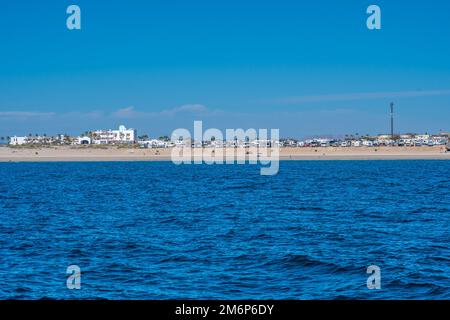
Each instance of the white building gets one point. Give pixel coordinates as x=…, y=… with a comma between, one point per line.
x=84, y=140
x=154, y=143
x=17, y=141
x=123, y=135
x=323, y=142
x=422, y=137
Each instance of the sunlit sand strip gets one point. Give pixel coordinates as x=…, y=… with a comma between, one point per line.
x=135, y=154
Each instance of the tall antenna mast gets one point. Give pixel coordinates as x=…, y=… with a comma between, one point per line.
x=392, y=120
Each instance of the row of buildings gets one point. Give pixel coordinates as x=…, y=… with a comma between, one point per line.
x=129, y=136
x=99, y=137
x=404, y=140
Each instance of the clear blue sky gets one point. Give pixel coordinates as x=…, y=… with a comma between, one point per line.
x=306, y=67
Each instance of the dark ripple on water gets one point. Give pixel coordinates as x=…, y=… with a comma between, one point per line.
x=159, y=231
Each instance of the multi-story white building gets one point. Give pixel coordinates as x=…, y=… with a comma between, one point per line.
x=123, y=135
x=17, y=141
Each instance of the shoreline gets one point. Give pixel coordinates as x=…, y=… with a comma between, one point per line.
x=114, y=154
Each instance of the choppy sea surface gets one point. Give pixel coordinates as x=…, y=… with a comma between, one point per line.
x=154, y=230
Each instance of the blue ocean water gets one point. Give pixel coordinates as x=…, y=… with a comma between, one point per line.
x=153, y=230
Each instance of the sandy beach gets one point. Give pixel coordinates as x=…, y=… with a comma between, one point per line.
x=66, y=153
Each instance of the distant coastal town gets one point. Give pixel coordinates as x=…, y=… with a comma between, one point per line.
x=124, y=137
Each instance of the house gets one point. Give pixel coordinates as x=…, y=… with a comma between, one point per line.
x=123, y=135
x=155, y=143
x=422, y=137
x=84, y=140
x=323, y=142
x=17, y=141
